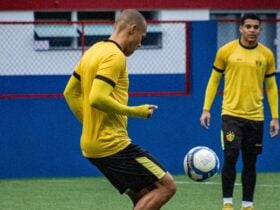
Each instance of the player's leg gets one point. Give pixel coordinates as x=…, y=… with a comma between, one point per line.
x=136, y=196
x=229, y=172
x=251, y=147
x=135, y=172
x=231, y=143
x=154, y=199
x=248, y=176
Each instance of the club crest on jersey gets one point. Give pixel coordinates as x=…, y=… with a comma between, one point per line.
x=230, y=136
x=259, y=63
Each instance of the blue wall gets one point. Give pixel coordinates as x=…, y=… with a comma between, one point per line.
x=40, y=137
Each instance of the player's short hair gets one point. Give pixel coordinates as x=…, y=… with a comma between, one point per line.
x=252, y=16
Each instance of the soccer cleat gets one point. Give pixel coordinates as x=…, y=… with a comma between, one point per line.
x=227, y=206
x=247, y=208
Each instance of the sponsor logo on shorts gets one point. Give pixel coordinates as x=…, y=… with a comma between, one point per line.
x=230, y=136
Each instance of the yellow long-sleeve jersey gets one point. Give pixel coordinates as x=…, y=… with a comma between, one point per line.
x=245, y=70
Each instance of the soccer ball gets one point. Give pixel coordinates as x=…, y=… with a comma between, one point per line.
x=201, y=163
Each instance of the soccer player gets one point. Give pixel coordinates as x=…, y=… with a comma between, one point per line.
x=97, y=94
x=246, y=65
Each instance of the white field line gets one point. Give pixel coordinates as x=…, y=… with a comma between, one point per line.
x=218, y=183
x=177, y=182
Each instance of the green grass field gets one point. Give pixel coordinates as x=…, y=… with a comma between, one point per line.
x=95, y=193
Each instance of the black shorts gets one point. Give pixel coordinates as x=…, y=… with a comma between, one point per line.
x=130, y=169
x=239, y=133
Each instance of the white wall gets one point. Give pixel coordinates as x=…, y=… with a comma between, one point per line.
x=16, y=16
x=187, y=15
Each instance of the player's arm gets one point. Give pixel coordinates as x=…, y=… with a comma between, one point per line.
x=212, y=88
x=210, y=94
x=73, y=96
x=272, y=96
x=100, y=98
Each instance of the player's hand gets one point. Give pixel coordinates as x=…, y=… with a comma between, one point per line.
x=205, y=119
x=274, y=127
x=152, y=109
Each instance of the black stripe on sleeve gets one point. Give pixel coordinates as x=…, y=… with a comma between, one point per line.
x=270, y=75
x=105, y=79
x=75, y=74
x=218, y=70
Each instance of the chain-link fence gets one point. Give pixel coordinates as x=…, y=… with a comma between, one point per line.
x=270, y=34
x=54, y=48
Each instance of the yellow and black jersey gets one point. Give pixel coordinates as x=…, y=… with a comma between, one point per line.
x=244, y=70
x=103, y=133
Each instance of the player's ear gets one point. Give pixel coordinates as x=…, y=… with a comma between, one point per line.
x=132, y=29
x=241, y=29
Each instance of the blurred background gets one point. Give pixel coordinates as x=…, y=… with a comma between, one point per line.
x=42, y=41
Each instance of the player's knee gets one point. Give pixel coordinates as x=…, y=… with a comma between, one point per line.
x=172, y=189
x=231, y=156
x=170, y=186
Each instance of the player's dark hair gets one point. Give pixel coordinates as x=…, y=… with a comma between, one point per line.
x=252, y=16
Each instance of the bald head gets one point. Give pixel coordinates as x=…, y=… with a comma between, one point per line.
x=130, y=29
x=130, y=17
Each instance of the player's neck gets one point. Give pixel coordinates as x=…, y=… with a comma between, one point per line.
x=248, y=44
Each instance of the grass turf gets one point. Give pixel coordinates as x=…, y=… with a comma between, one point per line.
x=96, y=193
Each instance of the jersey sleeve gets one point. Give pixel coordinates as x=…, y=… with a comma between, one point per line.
x=73, y=96
x=110, y=68
x=270, y=69
x=78, y=71
x=220, y=61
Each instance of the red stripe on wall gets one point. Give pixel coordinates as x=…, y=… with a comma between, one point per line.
x=60, y=95
x=31, y=96
x=143, y=4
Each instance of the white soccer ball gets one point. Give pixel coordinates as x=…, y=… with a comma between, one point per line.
x=201, y=163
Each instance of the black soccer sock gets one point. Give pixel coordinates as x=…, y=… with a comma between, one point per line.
x=229, y=172
x=248, y=176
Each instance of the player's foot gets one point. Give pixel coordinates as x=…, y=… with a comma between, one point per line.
x=227, y=206
x=247, y=208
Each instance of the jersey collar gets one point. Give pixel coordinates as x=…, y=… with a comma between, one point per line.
x=249, y=48
x=109, y=40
